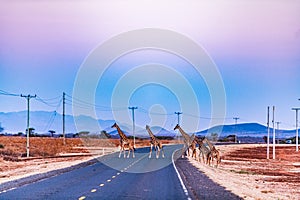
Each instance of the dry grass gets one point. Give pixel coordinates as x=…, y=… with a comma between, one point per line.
x=45, y=147
x=39, y=147
x=245, y=171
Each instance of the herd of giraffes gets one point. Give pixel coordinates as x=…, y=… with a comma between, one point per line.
x=207, y=151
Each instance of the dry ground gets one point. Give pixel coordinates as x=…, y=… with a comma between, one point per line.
x=245, y=171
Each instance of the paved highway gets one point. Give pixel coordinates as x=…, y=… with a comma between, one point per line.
x=125, y=178
x=112, y=178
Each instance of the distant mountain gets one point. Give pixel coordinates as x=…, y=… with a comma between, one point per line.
x=247, y=129
x=43, y=121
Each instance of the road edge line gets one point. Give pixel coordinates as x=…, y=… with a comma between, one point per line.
x=179, y=177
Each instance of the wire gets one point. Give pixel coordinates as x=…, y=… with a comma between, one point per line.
x=50, y=122
x=153, y=113
x=49, y=103
x=208, y=118
x=2, y=92
x=83, y=104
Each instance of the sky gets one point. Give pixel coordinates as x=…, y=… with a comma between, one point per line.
x=254, y=47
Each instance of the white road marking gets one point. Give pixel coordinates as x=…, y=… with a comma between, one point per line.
x=179, y=177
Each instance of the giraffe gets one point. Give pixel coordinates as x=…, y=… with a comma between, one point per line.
x=212, y=154
x=203, y=150
x=124, y=142
x=188, y=140
x=156, y=143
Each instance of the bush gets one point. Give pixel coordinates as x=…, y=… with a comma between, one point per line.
x=1, y=146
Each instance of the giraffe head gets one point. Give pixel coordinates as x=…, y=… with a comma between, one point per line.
x=114, y=126
x=176, y=127
x=147, y=127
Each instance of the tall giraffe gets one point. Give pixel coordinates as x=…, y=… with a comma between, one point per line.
x=124, y=142
x=188, y=140
x=213, y=153
x=156, y=143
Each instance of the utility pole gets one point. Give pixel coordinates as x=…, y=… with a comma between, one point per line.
x=133, y=123
x=178, y=113
x=273, y=132
x=235, y=118
x=296, y=109
x=268, y=138
x=64, y=102
x=28, y=97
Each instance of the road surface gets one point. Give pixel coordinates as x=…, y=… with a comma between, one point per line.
x=112, y=178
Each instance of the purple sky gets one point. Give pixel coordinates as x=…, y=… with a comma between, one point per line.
x=255, y=45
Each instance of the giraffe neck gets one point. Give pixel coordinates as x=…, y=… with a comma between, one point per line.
x=209, y=144
x=122, y=135
x=184, y=134
x=151, y=134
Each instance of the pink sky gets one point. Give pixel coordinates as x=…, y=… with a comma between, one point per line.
x=255, y=44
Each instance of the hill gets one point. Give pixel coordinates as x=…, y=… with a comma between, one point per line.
x=43, y=121
x=246, y=130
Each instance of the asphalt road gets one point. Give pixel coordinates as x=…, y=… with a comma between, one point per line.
x=112, y=178
x=115, y=178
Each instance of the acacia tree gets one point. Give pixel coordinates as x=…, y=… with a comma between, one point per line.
x=51, y=132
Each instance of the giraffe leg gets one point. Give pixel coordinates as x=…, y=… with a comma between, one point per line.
x=128, y=153
x=120, y=152
x=157, y=152
x=133, y=153
x=182, y=152
x=150, y=150
x=162, y=152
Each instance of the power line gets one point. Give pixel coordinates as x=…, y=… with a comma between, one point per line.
x=50, y=122
x=86, y=105
x=50, y=104
x=2, y=92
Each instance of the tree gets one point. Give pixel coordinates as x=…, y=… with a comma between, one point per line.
x=31, y=131
x=265, y=138
x=51, y=132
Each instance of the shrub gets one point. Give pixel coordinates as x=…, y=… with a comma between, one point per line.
x=1, y=146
